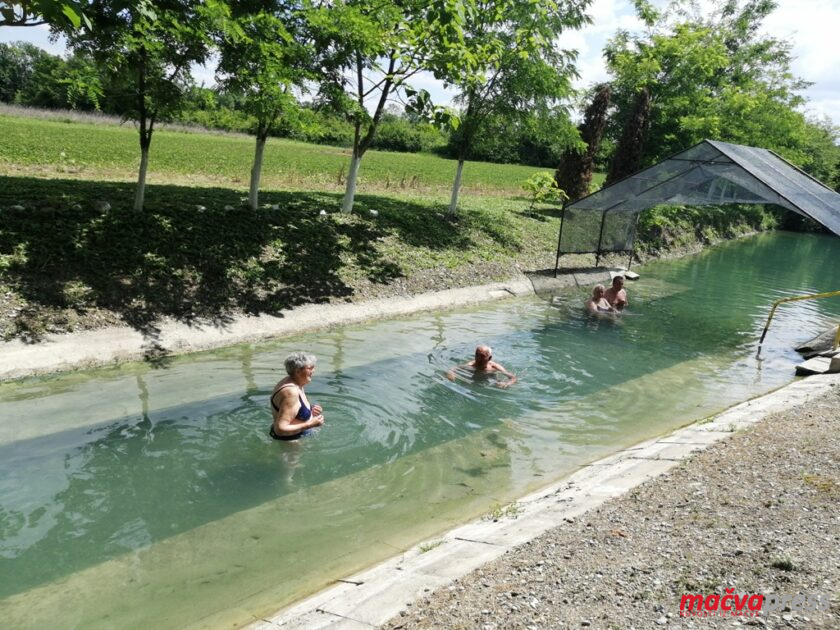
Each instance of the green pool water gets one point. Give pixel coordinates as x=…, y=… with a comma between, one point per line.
x=153, y=496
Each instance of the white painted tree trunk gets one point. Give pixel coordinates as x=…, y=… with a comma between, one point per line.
x=140, y=193
x=256, y=171
x=350, y=190
x=456, y=188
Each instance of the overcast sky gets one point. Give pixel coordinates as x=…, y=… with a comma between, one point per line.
x=812, y=26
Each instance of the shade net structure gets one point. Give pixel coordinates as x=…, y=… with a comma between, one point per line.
x=709, y=173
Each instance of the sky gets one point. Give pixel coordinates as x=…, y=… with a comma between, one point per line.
x=811, y=25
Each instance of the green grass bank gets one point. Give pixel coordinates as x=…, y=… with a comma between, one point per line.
x=56, y=148
x=74, y=255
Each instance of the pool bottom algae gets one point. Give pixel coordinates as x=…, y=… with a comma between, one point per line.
x=249, y=564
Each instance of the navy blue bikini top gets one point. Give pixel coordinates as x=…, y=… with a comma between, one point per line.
x=304, y=413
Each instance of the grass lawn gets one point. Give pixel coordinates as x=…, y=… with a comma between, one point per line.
x=52, y=148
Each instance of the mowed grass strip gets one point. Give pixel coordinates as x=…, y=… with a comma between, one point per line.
x=70, y=262
x=50, y=148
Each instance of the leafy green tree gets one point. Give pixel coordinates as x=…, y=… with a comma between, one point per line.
x=63, y=14
x=81, y=83
x=823, y=151
x=517, y=67
x=542, y=187
x=32, y=77
x=263, y=57
x=368, y=51
x=710, y=74
x=17, y=64
x=145, y=50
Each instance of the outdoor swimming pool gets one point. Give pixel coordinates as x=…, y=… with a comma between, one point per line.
x=151, y=496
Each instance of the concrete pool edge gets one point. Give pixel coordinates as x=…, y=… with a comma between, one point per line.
x=374, y=596
x=85, y=349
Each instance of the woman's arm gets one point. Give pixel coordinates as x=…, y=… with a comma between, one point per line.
x=286, y=420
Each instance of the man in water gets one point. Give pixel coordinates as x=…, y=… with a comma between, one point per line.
x=616, y=295
x=484, y=365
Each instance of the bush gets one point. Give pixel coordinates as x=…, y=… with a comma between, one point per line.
x=669, y=227
x=542, y=188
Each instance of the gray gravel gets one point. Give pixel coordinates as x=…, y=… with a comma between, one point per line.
x=756, y=513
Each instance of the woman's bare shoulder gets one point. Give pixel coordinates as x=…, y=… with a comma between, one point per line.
x=285, y=390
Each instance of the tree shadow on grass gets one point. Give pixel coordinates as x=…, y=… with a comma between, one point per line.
x=541, y=213
x=194, y=254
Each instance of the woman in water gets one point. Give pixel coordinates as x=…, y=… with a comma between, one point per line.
x=293, y=416
x=597, y=304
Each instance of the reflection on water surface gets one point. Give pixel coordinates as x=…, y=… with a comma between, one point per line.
x=155, y=496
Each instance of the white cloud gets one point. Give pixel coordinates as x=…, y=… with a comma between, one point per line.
x=811, y=26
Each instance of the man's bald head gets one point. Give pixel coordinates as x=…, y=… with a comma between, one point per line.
x=483, y=353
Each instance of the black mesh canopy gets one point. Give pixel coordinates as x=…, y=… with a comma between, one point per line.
x=709, y=173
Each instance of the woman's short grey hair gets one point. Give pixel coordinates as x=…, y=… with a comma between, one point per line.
x=297, y=361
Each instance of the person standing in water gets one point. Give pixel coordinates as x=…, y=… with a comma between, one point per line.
x=483, y=364
x=294, y=417
x=616, y=295
x=597, y=304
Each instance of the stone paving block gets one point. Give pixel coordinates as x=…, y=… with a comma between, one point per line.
x=316, y=620
x=559, y=513
x=377, y=600
x=371, y=573
x=675, y=452
x=593, y=478
x=818, y=365
x=455, y=558
x=311, y=604
x=262, y=624
x=624, y=480
x=609, y=460
x=696, y=436
x=477, y=530
x=518, y=531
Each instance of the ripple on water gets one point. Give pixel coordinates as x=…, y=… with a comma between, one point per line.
x=178, y=463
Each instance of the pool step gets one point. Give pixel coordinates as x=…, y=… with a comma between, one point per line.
x=823, y=363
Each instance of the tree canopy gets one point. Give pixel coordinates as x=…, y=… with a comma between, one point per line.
x=61, y=13
x=708, y=75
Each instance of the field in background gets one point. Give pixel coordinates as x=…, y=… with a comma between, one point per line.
x=85, y=150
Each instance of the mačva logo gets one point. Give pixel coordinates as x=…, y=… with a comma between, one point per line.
x=734, y=604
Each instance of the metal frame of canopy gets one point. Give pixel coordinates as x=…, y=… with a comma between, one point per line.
x=695, y=163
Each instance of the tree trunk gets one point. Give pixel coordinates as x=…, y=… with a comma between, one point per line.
x=574, y=174
x=140, y=193
x=456, y=188
x=256, y=171
x=350, y=189
x=627, y=158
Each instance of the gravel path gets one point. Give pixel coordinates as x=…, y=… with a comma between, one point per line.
x=756, y=513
